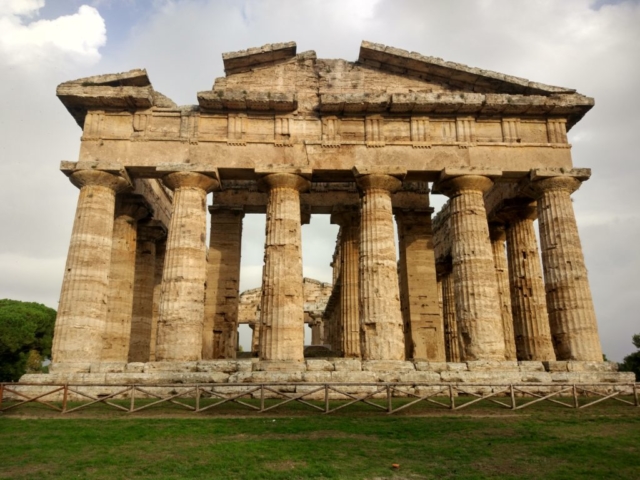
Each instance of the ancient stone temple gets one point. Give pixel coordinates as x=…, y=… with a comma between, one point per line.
x=289, y=135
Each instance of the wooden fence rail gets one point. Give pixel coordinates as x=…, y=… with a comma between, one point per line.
x=325, y=398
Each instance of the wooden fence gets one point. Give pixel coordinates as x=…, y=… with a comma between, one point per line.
x=323, y=398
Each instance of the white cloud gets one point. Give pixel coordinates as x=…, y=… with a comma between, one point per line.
x=76, y=37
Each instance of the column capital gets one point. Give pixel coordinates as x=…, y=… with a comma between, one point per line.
x=345, y=215
x=134, y=206
x=82, y=178
x=566, y=183
x=497, y=231
x=151, y=231
x=201, y=181
x=235, y=210
x=515, y=210
x=454, y=186
x=377, y=181
x=284, y=180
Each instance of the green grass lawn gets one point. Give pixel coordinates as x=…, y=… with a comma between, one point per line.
x=543, y=441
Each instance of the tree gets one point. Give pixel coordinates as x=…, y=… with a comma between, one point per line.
x=26, y=333
x=631, y=363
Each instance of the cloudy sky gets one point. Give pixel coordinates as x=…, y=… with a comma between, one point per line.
x=589, y=45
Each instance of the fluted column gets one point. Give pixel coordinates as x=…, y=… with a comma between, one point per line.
x=143, y=290
x=572, y=318
x=452, y=340
x=349, y=322
x=223, y=282
x=83, y=300
x=255, y=338
x=529, y=306
x=117, y=331
x=282, y=303
x=380, y=315
x=498, y=236
x=185, y=269
x=475, y=283
x=424, y=330
x=316, y=332
x=161, y=248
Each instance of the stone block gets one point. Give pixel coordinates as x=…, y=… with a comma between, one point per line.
x=265, y=377
x=134, y=367
x=420, y=377
x=528, y=366
x=225, y=366
x=558, y=366
x=316, y=377
x=244, y=365
x=319, y=365
x=438, y=367
x=492, y=365
x=387, y=366
x=536, y=377
x=354, y=377
x=276, y=366
x=347, y=364
x=108, y=367
x=574, y=366
x=482, y=377
x=69, y=367
x=154, y=367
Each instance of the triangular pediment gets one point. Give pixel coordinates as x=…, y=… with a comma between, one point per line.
x=455, y=75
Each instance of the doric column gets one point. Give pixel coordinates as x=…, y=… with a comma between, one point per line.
x=380, y=315
x=317, y=333
x=452, y=340
x=117, y=332
x=349, y=323
x=282, y=303
x=185, y=269
x=498, y=236
x=424, y=333
x=255, y=338
x=476, y=287
x=83, y=300
x=223, y=282
x=572, y=318
x=143, y=289
x=528, y=303
x=161, y=248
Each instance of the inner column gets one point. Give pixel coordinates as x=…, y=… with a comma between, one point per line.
x=349, y=221
x=528, y=302
x=117, y=333
x=380, y=314
x=417, y=265
x=282, y=303
x=223, y=283
x=498, y=237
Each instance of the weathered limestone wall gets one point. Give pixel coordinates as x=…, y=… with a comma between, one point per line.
x=117, y=332
x=143, y=291
x=498, y=236
x=531, y=321
x=424, y=331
